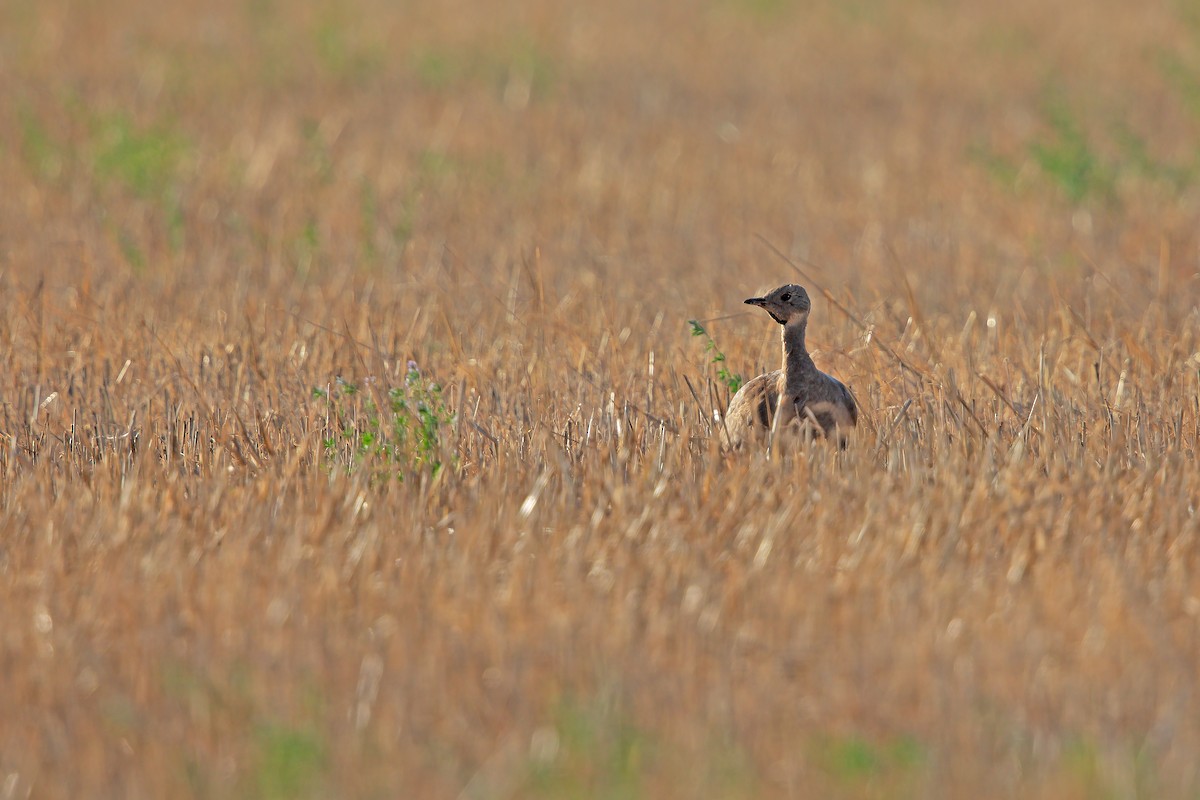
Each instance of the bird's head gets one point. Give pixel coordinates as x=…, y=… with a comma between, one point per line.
x=786, y=305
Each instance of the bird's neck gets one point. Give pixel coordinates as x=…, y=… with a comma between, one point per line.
x=797, y=363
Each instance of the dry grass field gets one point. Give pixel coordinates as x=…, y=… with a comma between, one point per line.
x=355, y=441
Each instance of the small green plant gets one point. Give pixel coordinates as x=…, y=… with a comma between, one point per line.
x=854, y=760
x=399, y=439
x=290, y=762
x=146, y=161
x=1069, y=159
x=733, y=381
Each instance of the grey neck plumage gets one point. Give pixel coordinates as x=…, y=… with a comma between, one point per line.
x=797, y=363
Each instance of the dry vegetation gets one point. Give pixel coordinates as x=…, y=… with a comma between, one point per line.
x=248, y=550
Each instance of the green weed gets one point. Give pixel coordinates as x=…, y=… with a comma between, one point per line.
x=145, y=161
x=1068, y=159
x=290, y=762
x=1071, y=162
x=1083, y=763
x=730, y=379
x=854, y=761
x=397, y=438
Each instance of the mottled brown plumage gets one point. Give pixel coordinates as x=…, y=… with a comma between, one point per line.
x=812, y=400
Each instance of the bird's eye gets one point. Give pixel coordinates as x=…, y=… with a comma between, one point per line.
x=786, y=296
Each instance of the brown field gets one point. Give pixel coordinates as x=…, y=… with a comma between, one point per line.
x=246, y=551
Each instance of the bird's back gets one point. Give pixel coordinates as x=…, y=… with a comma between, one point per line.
x=821, y=400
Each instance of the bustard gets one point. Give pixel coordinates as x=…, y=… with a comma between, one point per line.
x=811, y=399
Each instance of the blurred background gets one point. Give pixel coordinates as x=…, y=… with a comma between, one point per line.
x=981, y=153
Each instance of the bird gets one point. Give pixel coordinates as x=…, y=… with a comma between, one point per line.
x=812, y=400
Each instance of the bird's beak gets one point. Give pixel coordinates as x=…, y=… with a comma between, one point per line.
x=757, y=301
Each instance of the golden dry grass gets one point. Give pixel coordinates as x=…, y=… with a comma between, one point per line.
x=246, y=552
